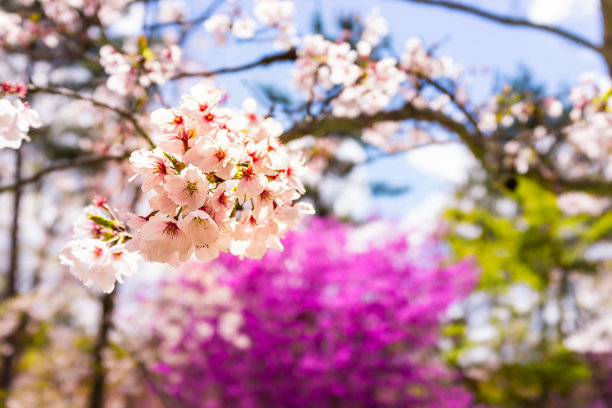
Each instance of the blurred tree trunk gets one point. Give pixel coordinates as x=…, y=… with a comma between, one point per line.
x=606, y=47
x=10, y=288
x=96, y=399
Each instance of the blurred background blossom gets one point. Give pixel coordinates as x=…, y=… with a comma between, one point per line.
x=456, y=154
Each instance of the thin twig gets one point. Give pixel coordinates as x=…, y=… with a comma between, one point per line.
x=76, y=95
x=64, y=165
x=454, y=100
x=510, y=21
x=330, y=124
x=187, y=24
x=385, y=154
x=186, y=30
x=290, y=55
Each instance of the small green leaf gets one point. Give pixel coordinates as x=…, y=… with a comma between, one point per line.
x=103, y=222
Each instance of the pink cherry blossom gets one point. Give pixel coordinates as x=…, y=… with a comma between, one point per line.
x=201, y=228
x=189, y=189
x=151, y=164
x=163, y=240
x=16, y=119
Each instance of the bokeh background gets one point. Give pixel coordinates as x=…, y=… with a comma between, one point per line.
x=423, y=281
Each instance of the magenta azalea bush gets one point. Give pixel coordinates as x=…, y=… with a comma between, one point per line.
x=322, y=324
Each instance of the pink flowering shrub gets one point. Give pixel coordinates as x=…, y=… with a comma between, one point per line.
x=321, y=324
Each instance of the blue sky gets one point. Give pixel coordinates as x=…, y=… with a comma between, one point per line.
x=488, y=51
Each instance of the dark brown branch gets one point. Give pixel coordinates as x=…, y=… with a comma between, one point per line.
x=76, y=95
x=188, y=24
x=560, y=184
x=15, y=342
x=96, y=398
x=290, y=55
x=10, y=289
x=511, y=21
x=11, y=274
x=454, y=100
x=484, y=149
x=68, y=164
x=606, y=48
x=330, y=124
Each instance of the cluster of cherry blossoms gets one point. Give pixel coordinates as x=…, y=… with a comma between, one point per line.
x=531, y=126
x=367, y=85
x=97, y=253
x=16, y=117
x=56, y=17
x=221, y=181
x=138, y=66
x=71, y=12
x=591, y=115
x=271, y=13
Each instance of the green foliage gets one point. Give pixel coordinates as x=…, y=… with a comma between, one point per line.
x=528, y=245
x=524, y=384
x=521, y=236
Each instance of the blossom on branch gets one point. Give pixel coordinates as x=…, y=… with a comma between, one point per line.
x=97, y=254
x=129, y=72
x=222, y=183
x=16, y=119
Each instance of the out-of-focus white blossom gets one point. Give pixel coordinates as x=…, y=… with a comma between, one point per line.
x=375, y=28
x=16, y=119
x=129, y=73
x=219, y=25
x=97, y=255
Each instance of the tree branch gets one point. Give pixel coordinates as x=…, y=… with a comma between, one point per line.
x=511, y=21
x=330, y=124
x=290, y=55
x=10, y=289
x=76, y=95
x=453, y=99
x=188, y=24
x=83, y=161
x=483, y=149
x=11, y=275
x=606, y=16
x=96, y=398
x=560, y=184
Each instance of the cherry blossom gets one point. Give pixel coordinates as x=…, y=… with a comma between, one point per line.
x=11, y=31
x=225, y=187
x=220, y=182
x=376, y=27
x=16, y=119
x=97, y=255
x=129, y=72
x=189, y=189
x=219, y=25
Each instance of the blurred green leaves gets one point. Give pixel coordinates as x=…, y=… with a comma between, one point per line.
x=527, y=245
